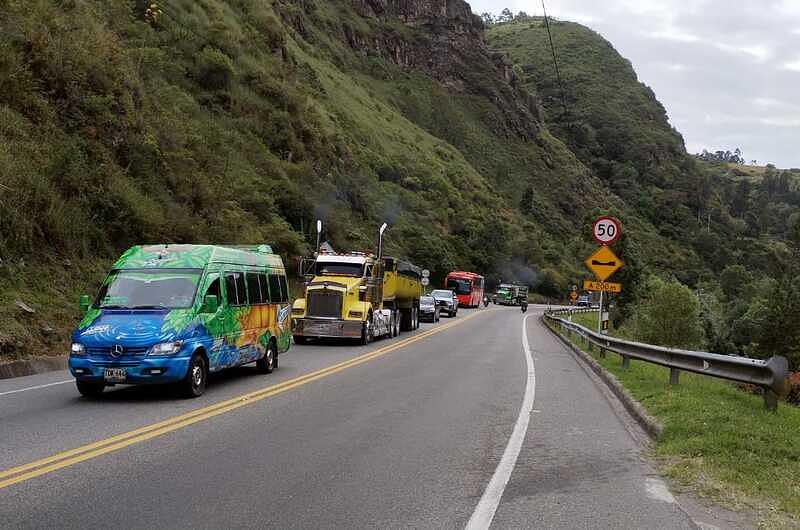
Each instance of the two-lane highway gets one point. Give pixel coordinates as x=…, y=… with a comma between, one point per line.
x=402, y=433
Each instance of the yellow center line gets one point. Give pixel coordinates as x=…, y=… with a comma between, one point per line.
x=68, y=458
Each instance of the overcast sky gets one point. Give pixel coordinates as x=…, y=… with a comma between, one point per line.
x=728, y=71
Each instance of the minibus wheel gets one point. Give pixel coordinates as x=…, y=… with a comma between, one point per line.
x=194, y=384
x=269, y=362
x=90, y=390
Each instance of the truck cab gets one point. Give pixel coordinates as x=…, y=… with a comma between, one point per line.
x=354, y=295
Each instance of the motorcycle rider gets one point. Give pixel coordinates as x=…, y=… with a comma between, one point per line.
x=523, y=302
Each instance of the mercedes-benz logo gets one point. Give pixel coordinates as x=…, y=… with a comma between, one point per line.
x=117, y=350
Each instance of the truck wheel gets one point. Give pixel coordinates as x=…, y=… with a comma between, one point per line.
x=366, y=331
x=269, y=362
x=405, y=320
x=395, y=323
x=194, y=384
x=90, y=390
x=415, y=313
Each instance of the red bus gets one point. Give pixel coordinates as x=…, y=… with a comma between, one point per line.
x=468, y=286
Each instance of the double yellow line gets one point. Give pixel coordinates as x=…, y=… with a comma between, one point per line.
x=58, y=461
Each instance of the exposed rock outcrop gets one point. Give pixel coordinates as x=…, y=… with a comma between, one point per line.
x=449, y=46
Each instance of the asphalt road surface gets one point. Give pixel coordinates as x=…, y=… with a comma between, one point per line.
x=404, y=433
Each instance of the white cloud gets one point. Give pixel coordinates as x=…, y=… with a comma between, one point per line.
x=781, y=121
x=767, y=102
x=794, y=66
x=673, y=35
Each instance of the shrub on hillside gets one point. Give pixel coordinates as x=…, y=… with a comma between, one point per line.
x=668, y=314
x=779, y=332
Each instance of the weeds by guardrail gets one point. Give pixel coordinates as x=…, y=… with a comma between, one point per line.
x=771, y=375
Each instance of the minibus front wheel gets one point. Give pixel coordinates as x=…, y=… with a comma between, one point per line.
x=194, y=384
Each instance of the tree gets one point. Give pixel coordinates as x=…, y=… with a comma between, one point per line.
x=734, y=279
x=779, y=333
x=505, y=16
x=668, y=315
x=488, y=18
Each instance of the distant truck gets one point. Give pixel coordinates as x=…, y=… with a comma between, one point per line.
x=356, y=295
x=511, y=294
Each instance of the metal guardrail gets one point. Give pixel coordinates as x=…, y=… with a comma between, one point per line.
x=771, y=375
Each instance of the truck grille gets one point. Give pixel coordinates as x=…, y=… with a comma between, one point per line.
x=326, y=304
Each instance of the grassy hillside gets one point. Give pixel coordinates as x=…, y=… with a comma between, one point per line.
x=615, y=125
x=240, y=121
x=244, y=121
x=733, y=230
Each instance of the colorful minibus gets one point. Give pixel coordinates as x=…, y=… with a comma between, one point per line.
x=176, y=313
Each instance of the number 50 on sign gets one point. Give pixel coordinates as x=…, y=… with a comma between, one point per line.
x=606, y=230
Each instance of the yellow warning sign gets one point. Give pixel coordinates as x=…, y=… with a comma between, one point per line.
x=603, y=263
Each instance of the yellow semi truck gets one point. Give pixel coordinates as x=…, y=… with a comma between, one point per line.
x=356, y=295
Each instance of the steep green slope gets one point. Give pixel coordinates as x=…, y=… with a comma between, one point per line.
x=615, y=125
x=730, y=232
x=243, y=121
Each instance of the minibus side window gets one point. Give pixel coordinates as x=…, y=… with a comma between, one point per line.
x=214, y=289
x=284, y=288
x=241, y=289
x=276, y=294
x=263, y=283
x=234, y=288
x=254, y=289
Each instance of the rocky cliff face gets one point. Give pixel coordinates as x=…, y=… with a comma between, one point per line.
x=424, y=12
x=449, y=46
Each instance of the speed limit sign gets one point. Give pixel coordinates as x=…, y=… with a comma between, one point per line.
x=606, y=230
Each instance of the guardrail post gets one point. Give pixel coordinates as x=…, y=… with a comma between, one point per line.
x=770, y=400
x=674, y=374
x=626, y=362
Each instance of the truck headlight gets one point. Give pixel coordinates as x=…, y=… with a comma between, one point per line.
x=166, y=348
x=77, y=349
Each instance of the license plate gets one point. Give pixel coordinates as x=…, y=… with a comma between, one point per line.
x=115, y=375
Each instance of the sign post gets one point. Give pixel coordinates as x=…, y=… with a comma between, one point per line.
x=600, y=315
x=604, y=263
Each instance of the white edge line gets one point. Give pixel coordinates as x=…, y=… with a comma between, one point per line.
x=35, y=387
x=484, y=512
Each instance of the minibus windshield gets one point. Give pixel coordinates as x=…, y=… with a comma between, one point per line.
x=149, y=289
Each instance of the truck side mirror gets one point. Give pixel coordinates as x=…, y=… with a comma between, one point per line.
x=305, y=269
x=84, y=303
x=210, y=304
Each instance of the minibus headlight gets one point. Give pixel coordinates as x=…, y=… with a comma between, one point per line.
x=77, y=349
x=166, y=348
